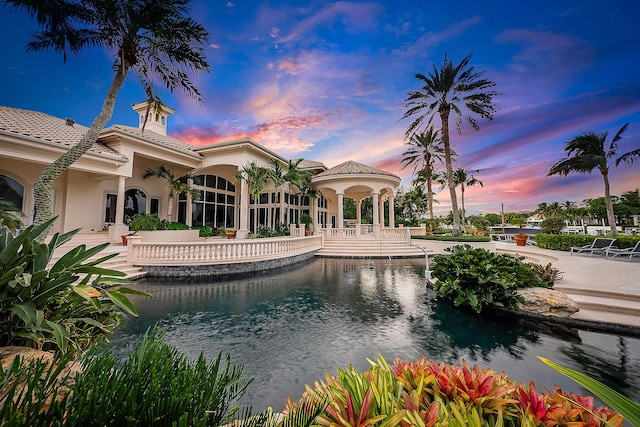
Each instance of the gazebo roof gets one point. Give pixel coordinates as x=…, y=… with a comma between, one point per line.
x=354, y=168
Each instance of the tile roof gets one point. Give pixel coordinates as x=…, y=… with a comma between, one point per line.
x=156, y=138
x=47, y=128
x=350, y=168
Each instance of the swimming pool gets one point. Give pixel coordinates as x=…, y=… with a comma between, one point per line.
x=289, y=327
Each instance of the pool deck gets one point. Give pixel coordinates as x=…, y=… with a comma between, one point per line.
x=607, y=290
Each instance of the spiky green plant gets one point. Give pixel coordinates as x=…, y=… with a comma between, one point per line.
x=65, y=306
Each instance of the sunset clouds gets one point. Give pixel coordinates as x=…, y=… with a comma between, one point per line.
x=326, y=80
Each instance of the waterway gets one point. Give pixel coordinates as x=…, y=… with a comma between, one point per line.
x=288, y=327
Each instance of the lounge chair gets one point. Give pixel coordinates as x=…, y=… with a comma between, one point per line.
x=598, y=246
x=628, y=252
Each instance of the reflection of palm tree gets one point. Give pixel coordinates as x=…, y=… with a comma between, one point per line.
x=447, y=90
x=587, y=152
x=156, y=39
x=9, y=215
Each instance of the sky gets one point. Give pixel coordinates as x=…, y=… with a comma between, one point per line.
x=327, y=81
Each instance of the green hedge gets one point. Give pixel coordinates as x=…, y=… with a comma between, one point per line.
x=454, y=239
x=564, y=242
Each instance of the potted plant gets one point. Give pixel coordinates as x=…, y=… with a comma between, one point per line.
x=520, y=238
x=231, y=234
x=306, y=220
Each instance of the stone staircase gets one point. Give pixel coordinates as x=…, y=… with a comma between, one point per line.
x=605, y=306
x=119, y=262
x=368, y=248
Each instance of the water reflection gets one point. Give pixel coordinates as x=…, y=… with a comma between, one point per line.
x=291, y=326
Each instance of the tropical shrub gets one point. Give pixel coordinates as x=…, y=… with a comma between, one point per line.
x=279, y=231
x=205, y=231
x=477, y=277
x=552, y=225
x=176, y=226
x=68, y=305
x=146, y=222
x=548, y=273
x=425, y=393
x=155, y=385
x=564, y=242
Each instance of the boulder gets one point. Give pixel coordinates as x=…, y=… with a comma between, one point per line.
x=547, y=302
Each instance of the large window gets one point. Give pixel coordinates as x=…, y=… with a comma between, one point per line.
x=216, y=207
x=12, y=191
x=135, y=202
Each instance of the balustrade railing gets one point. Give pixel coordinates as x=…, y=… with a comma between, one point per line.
x=219, y=251
x=366, y=231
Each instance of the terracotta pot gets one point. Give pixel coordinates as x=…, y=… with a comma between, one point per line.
x=521, y=240
x=231, y=234
x=124, y=239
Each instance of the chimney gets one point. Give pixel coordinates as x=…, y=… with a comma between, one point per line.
x=157, y=118
x=69, y=122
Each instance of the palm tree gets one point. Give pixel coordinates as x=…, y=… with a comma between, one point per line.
x=463, y=178
x=450, y=89
x=426, y=149
x=587, y=152
x=177, y=186
x=156, y=39
x=256, y=177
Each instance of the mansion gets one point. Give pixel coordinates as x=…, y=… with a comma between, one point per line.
x=105, y=186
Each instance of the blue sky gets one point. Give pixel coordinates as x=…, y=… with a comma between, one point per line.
x=327, y=81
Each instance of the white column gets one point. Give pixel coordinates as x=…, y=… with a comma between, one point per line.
x=340, y=217
x=243, y=222
x=282, y=205
x=381, y=212
x=120, y=201
x=313, y=207
x=392, y=212
x=359, y=212
x=376, y=209
x=189, y=209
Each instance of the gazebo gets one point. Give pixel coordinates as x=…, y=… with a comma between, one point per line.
x=357, y=181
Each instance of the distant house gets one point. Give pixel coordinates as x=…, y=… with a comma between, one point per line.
x=106, y=186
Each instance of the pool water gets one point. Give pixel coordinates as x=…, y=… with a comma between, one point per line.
x=289, y=327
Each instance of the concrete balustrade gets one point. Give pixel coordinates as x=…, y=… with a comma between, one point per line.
x=209, y=252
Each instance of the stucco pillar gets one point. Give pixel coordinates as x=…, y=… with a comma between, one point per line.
x=376, y=209
x=359, y=212
x=243, y=231
x=340, y=222
x=313, y=206
x=119, y=228
x=189, y=213
x=392, y=212
x=281, y=219
x=120, y=200
x=381, y=211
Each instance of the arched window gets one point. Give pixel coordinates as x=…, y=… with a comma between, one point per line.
x=135, y=202
x=12, y=191
x=217, y=204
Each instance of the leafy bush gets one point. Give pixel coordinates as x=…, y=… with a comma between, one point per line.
x=425, y=393
x=68, y=305
x=146, y=222
x=552, y=225
x=477, y=277
x=548, y=273
x=454, y=239
x=204, y=231
x=155, y=386
x=176, y=226
x=564, y=242
x=279, y=231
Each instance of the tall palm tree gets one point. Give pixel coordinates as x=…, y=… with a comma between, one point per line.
x=177, y=186
x=155, y=38
x=425, y=149
x=450, y=88
x=464, y=179
x=587, y=152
